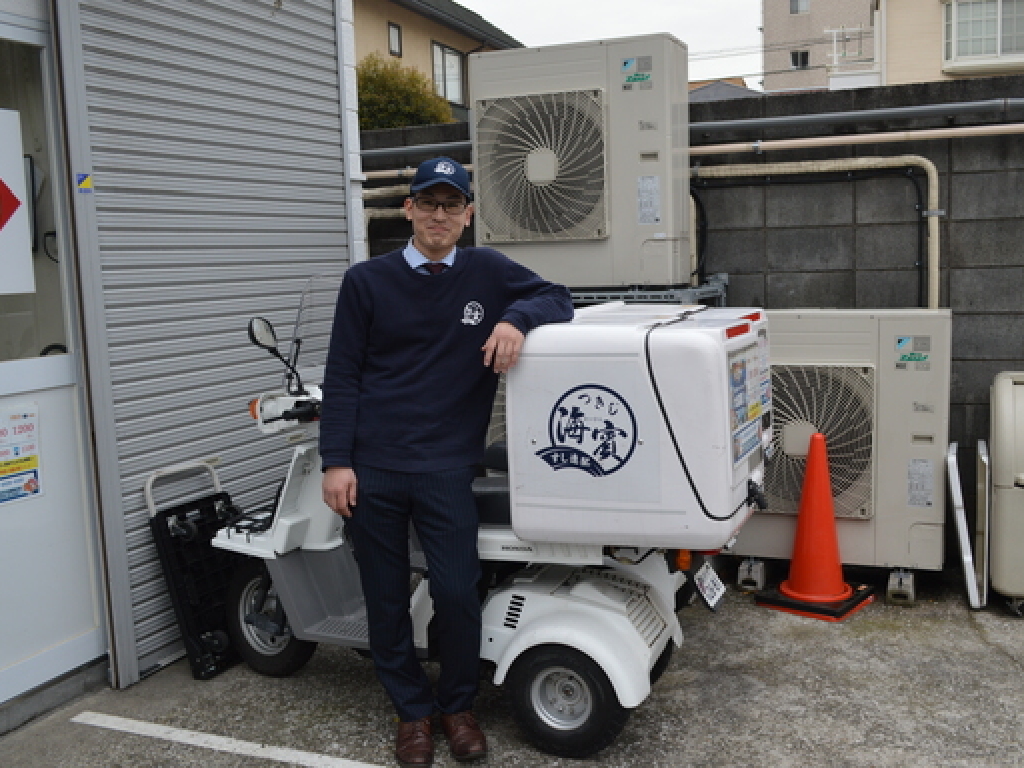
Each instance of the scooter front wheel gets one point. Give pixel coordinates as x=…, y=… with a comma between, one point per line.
x=258, y=626
x=564, y=701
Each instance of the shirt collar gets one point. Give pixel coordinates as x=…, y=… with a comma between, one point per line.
x=415, y=259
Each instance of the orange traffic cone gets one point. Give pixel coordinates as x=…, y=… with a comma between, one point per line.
x=815, y=586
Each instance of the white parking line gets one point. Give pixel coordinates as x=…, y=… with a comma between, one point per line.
x=218, y=743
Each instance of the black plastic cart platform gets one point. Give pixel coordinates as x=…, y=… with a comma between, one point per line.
x=197, y=578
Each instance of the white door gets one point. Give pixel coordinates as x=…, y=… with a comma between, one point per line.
x=51, y=597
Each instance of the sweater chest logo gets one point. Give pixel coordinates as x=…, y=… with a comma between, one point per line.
x=472, y=313
x=591, y=428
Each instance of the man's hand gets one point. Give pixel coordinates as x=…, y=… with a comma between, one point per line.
x=340, y=490
x=502, y=347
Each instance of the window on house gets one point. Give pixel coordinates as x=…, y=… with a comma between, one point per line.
x=983, y=28
x=394, y=39
x=1012, y=40
x=449, y=69
x=799, y=59
x=799, y=6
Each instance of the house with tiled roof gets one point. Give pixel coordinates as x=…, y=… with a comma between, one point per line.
x=433, y=36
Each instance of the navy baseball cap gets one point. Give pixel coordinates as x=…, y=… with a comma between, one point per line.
x=441, y=170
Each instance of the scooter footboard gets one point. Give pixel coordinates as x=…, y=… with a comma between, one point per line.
x=322, y=595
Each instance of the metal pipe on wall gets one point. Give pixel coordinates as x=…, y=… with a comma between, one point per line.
x=861, y=115
x=815, y=142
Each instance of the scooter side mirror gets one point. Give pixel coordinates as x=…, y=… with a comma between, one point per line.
x=261, y=333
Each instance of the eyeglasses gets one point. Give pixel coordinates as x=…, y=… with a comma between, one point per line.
x=429, y=205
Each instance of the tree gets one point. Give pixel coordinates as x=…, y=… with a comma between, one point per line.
x=393, y=96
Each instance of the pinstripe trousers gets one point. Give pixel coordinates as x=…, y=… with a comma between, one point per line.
x=441, y=507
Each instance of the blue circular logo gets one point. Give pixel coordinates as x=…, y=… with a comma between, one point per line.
x=591, y=428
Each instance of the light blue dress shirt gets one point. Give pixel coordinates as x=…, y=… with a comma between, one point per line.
x=416, y=260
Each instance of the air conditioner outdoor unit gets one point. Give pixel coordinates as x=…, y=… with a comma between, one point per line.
x=581, y=160
x=876, y=384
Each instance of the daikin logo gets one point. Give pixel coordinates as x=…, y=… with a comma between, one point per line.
x=592, y=429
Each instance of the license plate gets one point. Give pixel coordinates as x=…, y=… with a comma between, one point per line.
x=709, y=585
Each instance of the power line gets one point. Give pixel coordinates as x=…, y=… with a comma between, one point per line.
x=752, y=49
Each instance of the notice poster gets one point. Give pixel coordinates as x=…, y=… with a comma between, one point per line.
x=19, y=453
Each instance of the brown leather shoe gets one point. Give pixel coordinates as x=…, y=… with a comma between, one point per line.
x=414, y=746
x=464, y=735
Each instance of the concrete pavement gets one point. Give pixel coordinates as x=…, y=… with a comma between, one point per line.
x=929, y=685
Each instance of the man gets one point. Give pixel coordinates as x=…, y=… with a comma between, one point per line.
x=420, y=336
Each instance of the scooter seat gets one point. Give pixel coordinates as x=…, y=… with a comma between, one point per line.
x=492, y=500
x=496, y=456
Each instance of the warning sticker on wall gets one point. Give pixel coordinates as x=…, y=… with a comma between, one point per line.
x=921, y=483
x=19, y=454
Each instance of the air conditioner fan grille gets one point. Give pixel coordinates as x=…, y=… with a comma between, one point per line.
x=837, y=401
x=540, y=167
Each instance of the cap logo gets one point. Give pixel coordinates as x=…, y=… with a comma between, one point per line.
x=445, y=167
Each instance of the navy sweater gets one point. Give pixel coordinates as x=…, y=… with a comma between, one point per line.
x=405, y=387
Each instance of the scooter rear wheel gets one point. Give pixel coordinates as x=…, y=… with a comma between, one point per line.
x=251, y=593
x=564, y=701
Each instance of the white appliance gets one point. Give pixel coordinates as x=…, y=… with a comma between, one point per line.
x=876, y=384
x=638, y=425
x=581, y=157
x=1006, y=522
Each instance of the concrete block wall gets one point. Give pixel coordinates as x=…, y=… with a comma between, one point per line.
x=854, y=244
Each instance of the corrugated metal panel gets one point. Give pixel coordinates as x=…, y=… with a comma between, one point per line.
x=216, y=148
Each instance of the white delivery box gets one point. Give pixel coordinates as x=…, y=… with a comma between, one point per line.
x=639, y=425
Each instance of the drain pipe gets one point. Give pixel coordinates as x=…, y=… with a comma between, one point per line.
x=851, y=164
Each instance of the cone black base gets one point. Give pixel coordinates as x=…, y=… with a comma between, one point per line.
x=837, y=611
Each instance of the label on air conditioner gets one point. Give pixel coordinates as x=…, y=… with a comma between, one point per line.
x=920, y=483
x=648, y=200
x=913, y=353
x=637, y=73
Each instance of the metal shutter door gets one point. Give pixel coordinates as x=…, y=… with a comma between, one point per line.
x=215, y=137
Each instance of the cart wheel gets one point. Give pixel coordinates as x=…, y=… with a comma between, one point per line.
x=216, y=641
x=564, y=701
x=662, y=663
x=183, y=529
x=273, y=654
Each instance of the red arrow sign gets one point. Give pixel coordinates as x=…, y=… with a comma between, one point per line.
x=9, y=204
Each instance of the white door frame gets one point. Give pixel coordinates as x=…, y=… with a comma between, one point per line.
x=70, y=369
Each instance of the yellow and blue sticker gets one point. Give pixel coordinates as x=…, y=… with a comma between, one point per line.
x=83, y=181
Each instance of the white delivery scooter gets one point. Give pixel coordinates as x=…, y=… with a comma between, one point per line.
x=635, y=432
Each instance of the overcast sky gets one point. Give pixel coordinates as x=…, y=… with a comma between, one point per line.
x=709, y=29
